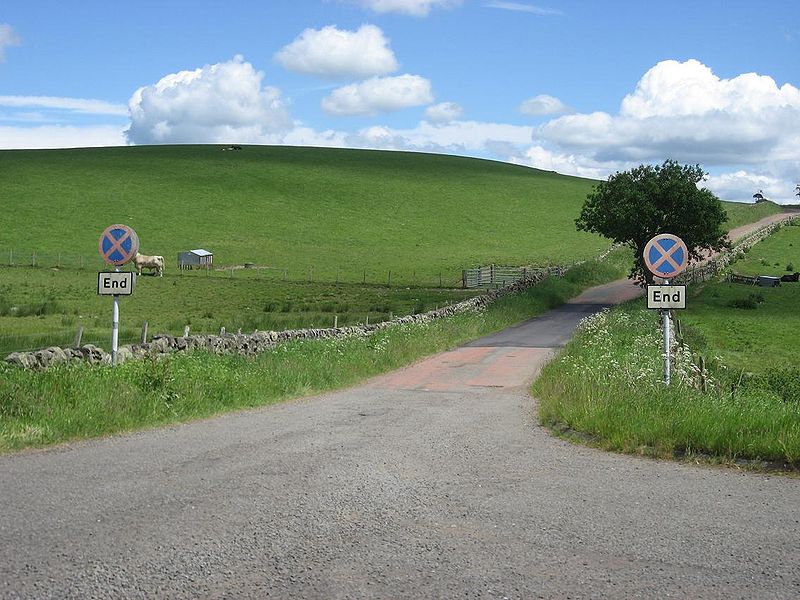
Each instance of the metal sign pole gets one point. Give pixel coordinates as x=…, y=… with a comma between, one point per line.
x=666, y=256
x=115, y=328
x=118, y=245
x=665, y=322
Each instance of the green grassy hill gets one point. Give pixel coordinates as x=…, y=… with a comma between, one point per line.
x=287, y=207
x=295, y=207
x=405, y=223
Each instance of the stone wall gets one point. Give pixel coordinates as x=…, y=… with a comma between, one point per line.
x=241, y=343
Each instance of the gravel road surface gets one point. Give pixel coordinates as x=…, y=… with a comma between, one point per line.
x=433, y=481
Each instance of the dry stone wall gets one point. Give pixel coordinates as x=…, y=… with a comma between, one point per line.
x=241, y=343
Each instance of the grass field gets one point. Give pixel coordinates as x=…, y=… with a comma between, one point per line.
x=741, y=214
x=778, y=255
x=73, y=401
x=296, y=208
x=44, y=307
x=403, y=223
x=606, y=384
x=336, y=211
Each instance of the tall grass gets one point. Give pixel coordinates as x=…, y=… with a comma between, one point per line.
x=77, y=401
x=607, y=385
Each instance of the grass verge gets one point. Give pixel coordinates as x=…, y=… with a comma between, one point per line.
x=606, y=385
x=76, y=402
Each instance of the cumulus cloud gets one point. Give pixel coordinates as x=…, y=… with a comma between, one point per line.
x=336, y=53
x=8, y=37
x=685, y=111
x=444, y=112
x=544, y=105
x=224, y=102
x=416, y=8
x=682, y=110
x=379, y=94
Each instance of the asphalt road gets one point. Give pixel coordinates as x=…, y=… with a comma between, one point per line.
x=433, y=481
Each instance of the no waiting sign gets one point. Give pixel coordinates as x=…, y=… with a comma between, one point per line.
x=118, y=244
x=666, y=256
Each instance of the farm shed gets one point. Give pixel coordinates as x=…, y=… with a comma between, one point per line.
x=195, y=258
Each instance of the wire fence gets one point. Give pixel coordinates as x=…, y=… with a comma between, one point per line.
x=323, y=273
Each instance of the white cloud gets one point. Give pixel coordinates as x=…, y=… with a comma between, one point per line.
x=564, y=163
x=336, y=53
x=443, y=112
x=740, y=186
x=683, y=111
x=416, y=8
x=8, y=37
x=544, y=105
x=456, y=137
x=224, y=102
x=672, y=88
x=61, y=136
x=79, y=105
x=528, y=8
x=379, y=94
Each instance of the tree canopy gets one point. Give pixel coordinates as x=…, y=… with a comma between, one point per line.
x=633, y=206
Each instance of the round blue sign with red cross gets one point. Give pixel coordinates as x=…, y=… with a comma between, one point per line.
x=666, y=255
x=118, y=244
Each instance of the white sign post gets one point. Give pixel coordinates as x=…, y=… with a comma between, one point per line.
x=665, y=255
x=118, y=245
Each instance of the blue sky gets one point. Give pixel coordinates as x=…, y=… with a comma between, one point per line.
x=580, y=87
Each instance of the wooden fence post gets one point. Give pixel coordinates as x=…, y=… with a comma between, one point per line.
x=78, y=337
x=703, y=379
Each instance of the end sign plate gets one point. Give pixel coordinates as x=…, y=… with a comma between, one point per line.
x=666, y=296
x=115, y=283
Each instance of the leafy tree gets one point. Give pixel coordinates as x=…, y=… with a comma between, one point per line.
x=633, y=206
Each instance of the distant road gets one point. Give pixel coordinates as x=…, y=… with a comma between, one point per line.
x=434, y=481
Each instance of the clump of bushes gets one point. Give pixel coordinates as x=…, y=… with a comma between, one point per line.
x=750, y=303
